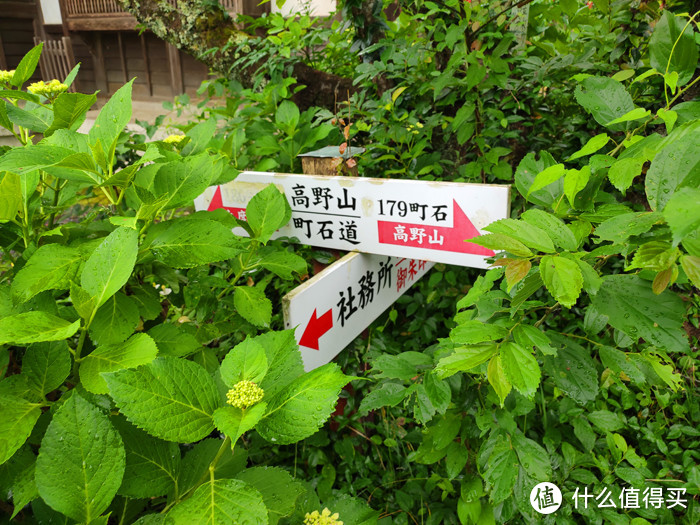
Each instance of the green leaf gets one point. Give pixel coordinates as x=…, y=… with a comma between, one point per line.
x=669, y=117
x=181, y=181
x=464, y=359
x=573, y=371
x=235, y=422
x=438, y=391
x=654, y=255
x=593, y=145
x=635, y=114
x=287, y=116
x=497, y=378
x=525, y=175
x=170, y=398
x=252, y=305
x=69, y=111
x=83, y=303
x=521, y=368
x=35, y=327
x=401, y=366
x=553, y=226
x=81, y=461
x=283, y=359
x=46, y=366
x=195, y=464
x=499, y=241
x=50, y=267
x=115, y=320
x=691, y=267
x=456, y=459
x=267, y=211
x=148, y=302
x=190, y=243
x=584, y=433
x=563, y=279
x=528, y=234
x=387, y=395
x=605, y=420
x=502, y=471
x=200, y=135
x=621, y=227
x=27, y=159
x=303, y=406
x=633, y=308
x=283, y=263
x=246, y=361
x=110, y=265
x=34, y=118
x=172, y=341
x=277, y=487
x=617, y=361
x=24, y=489
x=470, y=332
x=152, y=465
x=672, y=47
x=528, y=336
x=26, y=67
x=575, y=181
x=10, y=196
x=16, y=424
x=221, y=502
x=606, y=99
x=682, y=213
x=112, y=119
x=534, y=459
x=140, y=349
x=677, y=165
x=624, y=171
x=546, y=177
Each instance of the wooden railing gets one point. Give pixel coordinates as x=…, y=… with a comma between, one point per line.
x=83, y=8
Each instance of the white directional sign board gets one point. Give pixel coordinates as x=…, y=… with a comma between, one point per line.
x=332, y=308
x=405, y=218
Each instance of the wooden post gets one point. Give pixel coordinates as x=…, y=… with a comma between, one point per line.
x=146, y=65
x=99, y=63
x=177, y=83
x=3, y=59
x=325, y=161
x=122, y=57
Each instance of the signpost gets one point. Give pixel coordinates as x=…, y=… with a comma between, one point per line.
x=404, y=218
x=332, y=308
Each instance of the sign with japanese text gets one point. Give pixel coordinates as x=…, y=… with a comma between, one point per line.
x=332, y=308
x=405, y=218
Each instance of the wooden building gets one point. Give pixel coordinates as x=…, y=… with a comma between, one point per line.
x=104, y=39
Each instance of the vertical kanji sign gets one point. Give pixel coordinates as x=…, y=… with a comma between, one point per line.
x=404, y=218
x=331, y=309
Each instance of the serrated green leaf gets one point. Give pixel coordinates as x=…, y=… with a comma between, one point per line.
x=283, y=359
x=170, y=398
x=584, y=433
x=525, y=175
x=267, y=211
x=521, y=368
x=50, y=267
x=654, y=255
x=573, y=371
x=471, y=332
x=669, y=117
x=111, y=120
x=299, y=410
x=672, y=47
x=83, y=303
x=528, y=336
x=69, y=111
x=594, y=144
x=35, y=327
x=624, y=171
x=464, y=359
x=115, y=320
x=46, y=366
x=497, y=378
x=553, y=226
x=528, y=234
x=31, y=158
x=140, y=349
x=635, y=114
x=24, y=489
x=633, y=308
x=252, y=305
x=682, y=213
x=605, y=420
x=499, y=241
x=110, y=265
x=221, y=502
x=26, y=67
x=235, y=422
x=575, y=181
x=621, y=227
x=606, y=99
x=691, y=267
x=195, y=464
x=388, y=394
x=456, y=459
x=10, y=196
x=534, y=459
x=81, y=461
x=152, y=465
x=277, y=487
x=18, y=419
x=502, y=471
x=181, y=181
x=173, y=341
x=562, y=278
x=245, y=361
x=190, y=243
x=283, y=264
x=546, y=177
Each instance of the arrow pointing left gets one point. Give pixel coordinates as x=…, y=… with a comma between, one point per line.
x=316, y=328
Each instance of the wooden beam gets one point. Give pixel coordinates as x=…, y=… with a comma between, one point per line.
x=146, y=64
x=3, y=59
x=176, y=81
x=99, y=64
x=19, y=10
x=122, y=56
x=124, y=22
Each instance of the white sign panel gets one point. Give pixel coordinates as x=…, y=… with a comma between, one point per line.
x=405, y=218
x=332, y=308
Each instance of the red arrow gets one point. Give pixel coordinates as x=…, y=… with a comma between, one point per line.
x=218, y=202
x=316, y=328
x=444, y=238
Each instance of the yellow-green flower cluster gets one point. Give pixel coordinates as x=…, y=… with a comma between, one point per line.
x=173, y=139
x=322, y=518
x=6, y=76
x=244, y=394
x=49, y=90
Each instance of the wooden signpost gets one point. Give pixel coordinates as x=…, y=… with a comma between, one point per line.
x=398, y=225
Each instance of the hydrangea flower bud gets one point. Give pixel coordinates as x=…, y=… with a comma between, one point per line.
x=6, y=76
x=49, y=90
x=322, y=518
x=173, y=139
x=244, y=394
